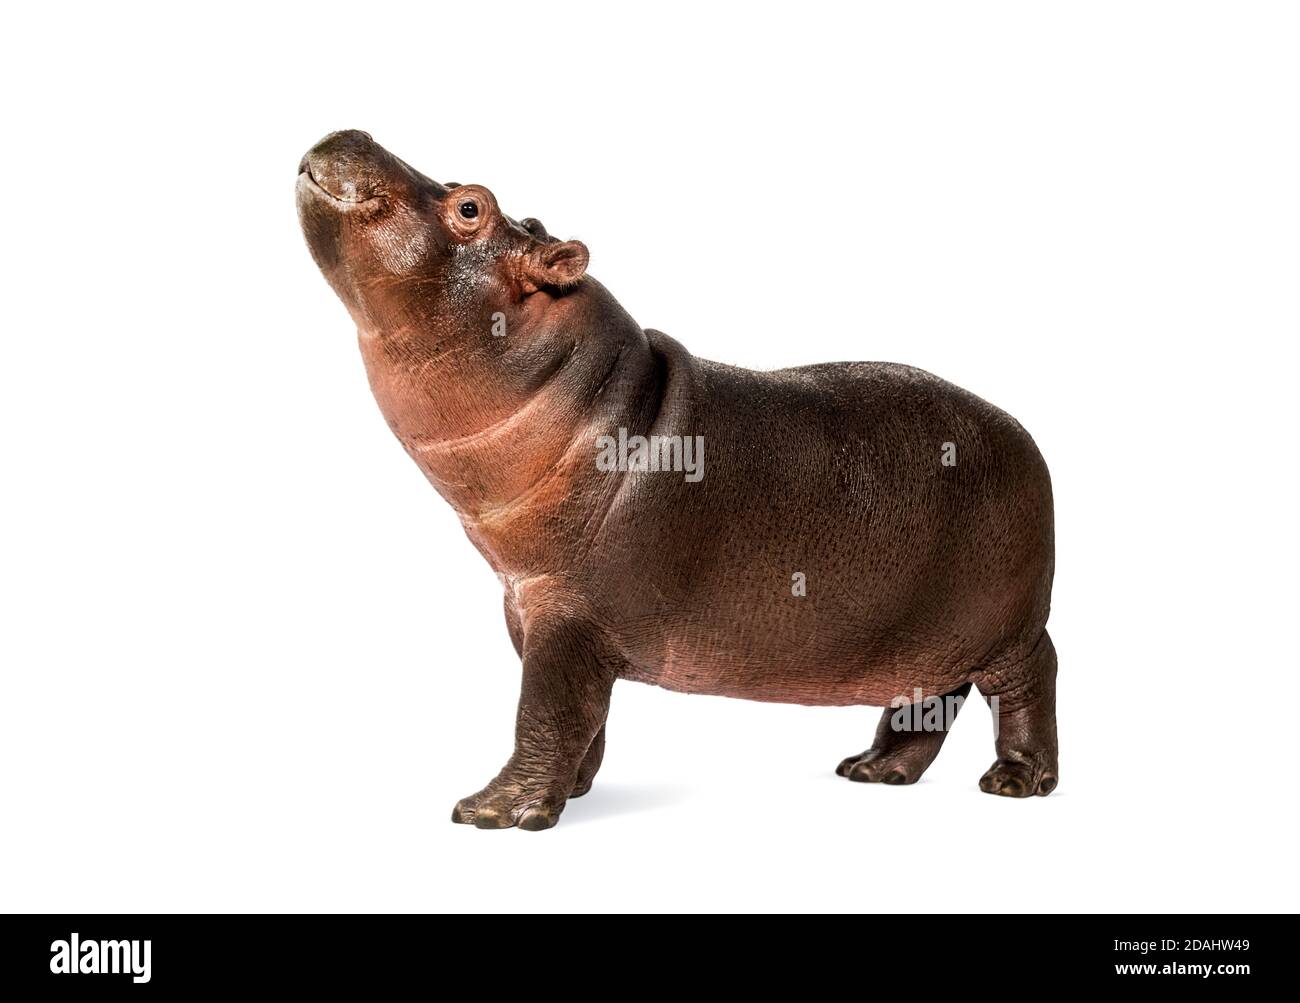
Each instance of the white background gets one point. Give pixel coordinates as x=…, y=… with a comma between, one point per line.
x=250, y=660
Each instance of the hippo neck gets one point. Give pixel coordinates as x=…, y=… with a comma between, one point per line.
x=586, y=367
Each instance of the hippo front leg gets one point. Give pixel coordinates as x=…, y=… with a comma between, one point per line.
x=562, y=707
x=590, y=765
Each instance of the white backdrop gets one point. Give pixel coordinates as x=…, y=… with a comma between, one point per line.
x=249, y=659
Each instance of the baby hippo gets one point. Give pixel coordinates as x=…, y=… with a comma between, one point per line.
x=844, y=533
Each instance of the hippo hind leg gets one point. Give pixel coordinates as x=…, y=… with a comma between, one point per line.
x=1023, y=699
x=905, y=744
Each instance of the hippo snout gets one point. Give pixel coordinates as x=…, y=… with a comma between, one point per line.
x=348, y=166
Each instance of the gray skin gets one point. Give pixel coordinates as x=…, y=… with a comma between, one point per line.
x=919, y=576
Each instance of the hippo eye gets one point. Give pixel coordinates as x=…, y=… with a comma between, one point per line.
x=468, y=209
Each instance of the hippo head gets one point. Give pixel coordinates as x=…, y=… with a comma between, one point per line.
x=407, y=254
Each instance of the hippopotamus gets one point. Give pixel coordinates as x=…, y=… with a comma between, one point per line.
x=836, y=534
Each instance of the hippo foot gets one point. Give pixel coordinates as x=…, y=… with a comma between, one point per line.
x=487, y=810
x=1017, y=780
x=877, y=767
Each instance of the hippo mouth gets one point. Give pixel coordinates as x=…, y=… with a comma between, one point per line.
x=342, y=192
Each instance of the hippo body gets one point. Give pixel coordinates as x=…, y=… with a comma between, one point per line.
x=848, y=533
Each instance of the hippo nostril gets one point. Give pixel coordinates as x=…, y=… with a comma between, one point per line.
x=354, y=136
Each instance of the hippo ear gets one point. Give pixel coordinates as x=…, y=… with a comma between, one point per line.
x=558, y=265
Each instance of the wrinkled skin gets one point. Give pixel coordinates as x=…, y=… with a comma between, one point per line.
x=498, y=363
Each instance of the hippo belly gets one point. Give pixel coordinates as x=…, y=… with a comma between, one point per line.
x=829, y=554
